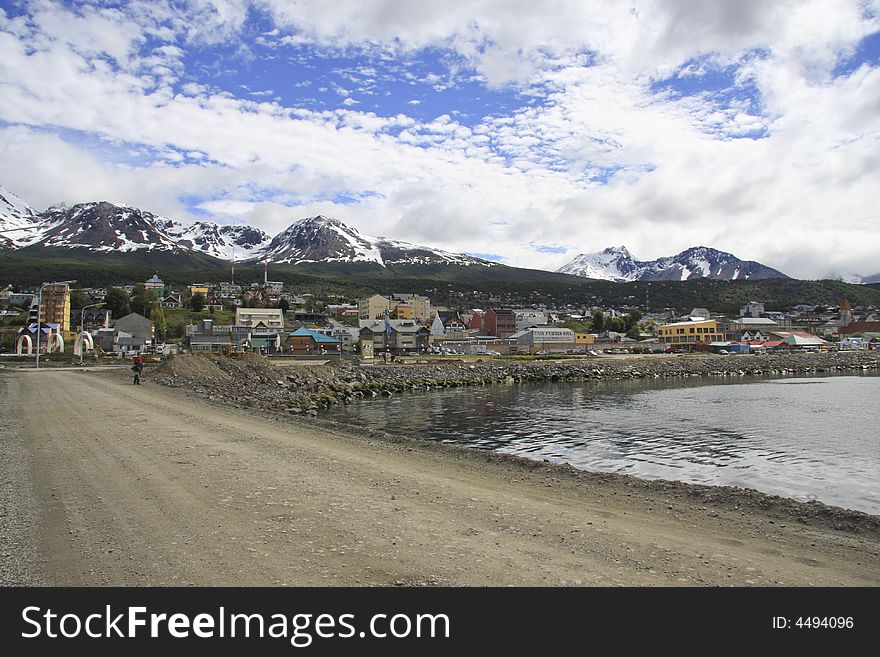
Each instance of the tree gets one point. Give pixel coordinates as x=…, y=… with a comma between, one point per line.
x=197, y=302
x=598, y=322
x=159, y=323
x=284, y=304
x=117, y=302
x=143, y=301
x=78, y=300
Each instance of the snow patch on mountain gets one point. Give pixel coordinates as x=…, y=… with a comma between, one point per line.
x=617, y=264
x=216, y=240
x=19, y=224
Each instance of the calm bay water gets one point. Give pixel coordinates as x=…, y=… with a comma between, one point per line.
x=805, y=438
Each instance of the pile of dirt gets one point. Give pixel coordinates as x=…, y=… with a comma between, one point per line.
x=192, y=368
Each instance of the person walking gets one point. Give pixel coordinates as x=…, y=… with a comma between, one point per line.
x=137, y=367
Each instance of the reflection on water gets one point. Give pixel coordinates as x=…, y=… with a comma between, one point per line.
x=807, y=438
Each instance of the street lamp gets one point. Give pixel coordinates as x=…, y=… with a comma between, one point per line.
x=39, y=307
x=82, y=327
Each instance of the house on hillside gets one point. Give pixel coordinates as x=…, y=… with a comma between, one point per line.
x=156, y=284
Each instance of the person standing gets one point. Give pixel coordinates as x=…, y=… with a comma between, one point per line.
x=137, y=367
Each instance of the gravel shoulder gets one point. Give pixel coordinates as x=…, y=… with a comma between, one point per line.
x=152, y=485
x=20, y=563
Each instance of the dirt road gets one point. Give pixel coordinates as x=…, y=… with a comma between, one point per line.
x=147, y=486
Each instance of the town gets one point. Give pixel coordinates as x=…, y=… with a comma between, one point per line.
x=60, y=320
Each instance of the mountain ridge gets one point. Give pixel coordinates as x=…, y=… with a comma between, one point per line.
x=102, y=226
x=618, y=264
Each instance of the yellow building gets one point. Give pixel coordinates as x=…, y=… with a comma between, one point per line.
x=584, y=339
x=374, y=307
x=198, y=288
x=55, y=307
x=403, y=311
x=687, y=334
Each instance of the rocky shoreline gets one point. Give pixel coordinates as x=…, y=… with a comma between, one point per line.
x=254, y=381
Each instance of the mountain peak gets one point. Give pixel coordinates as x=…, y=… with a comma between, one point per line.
x=617, y=264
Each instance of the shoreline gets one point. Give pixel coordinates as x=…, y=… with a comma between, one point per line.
x=832, y=516
x=253, y=381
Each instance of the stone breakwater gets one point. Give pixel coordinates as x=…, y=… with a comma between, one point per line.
x=253, y=381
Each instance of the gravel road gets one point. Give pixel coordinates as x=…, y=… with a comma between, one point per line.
x=105, y=483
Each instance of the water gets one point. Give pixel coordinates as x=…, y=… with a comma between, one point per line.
x=804, y=438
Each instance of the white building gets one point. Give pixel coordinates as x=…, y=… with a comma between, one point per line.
x=752, y=309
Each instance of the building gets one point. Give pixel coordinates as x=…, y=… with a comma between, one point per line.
x=171, y=301
x=800, y=341
x=260, y=319
x=155, y=283
x=132, y=333
x=205, y=336
x=477, y=321
x=21, y=300
x=273, y=287
x=92, y=319
x=55, y=307
x=374, y=307
x=395, y=336
x=527, y=318
x=258, y=329
x=348, y=336
x=846, y=313
x=437, y=328
x=403, y=311
x=752, y=309
x=199, y=288
x=398, y=306
x=859, y=327
x=749, y=329
x=308, y=317
x=688, y=334
x=421, y=306
x=136, y=325
x=306, y=342
x=700, y=313
x=546, y=339
x=500, y=323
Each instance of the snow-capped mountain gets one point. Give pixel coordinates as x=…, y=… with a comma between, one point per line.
x=18, y=221
x=613, y=264
x=103, y=226
x=216, y=240
x=617, y=264
x=856, y=279
x=323, y=239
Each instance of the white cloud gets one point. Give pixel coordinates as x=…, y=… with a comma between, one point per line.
x=600, y=157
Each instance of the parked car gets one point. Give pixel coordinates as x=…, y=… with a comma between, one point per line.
x=724, y=352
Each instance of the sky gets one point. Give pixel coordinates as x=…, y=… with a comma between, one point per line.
x=527, y=132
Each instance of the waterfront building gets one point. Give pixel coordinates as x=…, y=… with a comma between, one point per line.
x=687, y=335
